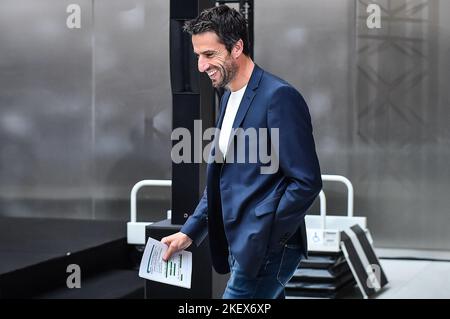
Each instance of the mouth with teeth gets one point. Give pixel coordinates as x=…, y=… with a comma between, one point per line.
x=212, y=74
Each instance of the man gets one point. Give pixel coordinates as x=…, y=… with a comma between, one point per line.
x=255, y=221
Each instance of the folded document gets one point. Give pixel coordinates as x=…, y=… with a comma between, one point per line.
x=176, y=271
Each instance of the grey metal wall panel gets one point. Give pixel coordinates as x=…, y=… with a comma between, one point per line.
x=400, y=133
x=132, y=100
x=85, y=113
x=45, y=101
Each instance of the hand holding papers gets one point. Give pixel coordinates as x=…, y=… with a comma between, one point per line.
x=176, y=271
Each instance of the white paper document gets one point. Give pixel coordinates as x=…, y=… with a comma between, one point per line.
x=176, y=271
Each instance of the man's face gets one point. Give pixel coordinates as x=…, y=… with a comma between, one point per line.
x=214, y=59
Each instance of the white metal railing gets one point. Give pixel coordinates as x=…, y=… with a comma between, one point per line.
x=138, y=186
x=324, y=231
x=350, y=195
x=323, y=208
x=136, y=230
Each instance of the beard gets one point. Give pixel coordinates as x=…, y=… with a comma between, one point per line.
x=227, y=72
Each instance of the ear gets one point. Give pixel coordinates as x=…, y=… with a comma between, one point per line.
x=237, y=49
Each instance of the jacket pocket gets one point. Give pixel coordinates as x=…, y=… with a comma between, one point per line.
x=267, y=206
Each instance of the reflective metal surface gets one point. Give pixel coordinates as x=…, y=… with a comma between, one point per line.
x=85, y=113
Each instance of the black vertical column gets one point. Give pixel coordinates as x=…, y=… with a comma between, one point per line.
x=192, y=99
x=247, y=8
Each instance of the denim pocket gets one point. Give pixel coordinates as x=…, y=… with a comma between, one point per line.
x=292, y=255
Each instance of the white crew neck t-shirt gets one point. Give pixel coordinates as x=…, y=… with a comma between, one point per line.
x=230, y=113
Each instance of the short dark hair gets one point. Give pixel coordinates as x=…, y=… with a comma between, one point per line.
x=226, y=22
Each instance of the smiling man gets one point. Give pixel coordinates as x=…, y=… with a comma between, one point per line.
x=226, y=67
x=255, y=221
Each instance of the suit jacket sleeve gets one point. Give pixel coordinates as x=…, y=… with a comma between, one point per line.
x=196, y=227
x=297, y=159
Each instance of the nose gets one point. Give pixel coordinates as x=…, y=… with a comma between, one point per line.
x=202, y=64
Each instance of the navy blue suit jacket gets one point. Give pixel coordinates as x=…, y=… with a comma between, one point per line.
x=248, y=212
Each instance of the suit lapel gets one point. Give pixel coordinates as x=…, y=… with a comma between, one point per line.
x=247, y=99
x=249, y=94
x=226, y=96
x=243, y=107
x=222, y=107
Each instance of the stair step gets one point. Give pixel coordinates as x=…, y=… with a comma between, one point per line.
x=39, y=251
x=113, y=284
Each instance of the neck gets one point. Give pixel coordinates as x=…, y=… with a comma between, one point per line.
x=244, y=72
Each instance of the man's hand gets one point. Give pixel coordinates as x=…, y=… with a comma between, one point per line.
x=176, y=242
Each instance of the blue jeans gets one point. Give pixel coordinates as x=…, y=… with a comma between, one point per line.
x=276, y=270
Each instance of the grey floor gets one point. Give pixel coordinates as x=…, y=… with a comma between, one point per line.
x=414, y=279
